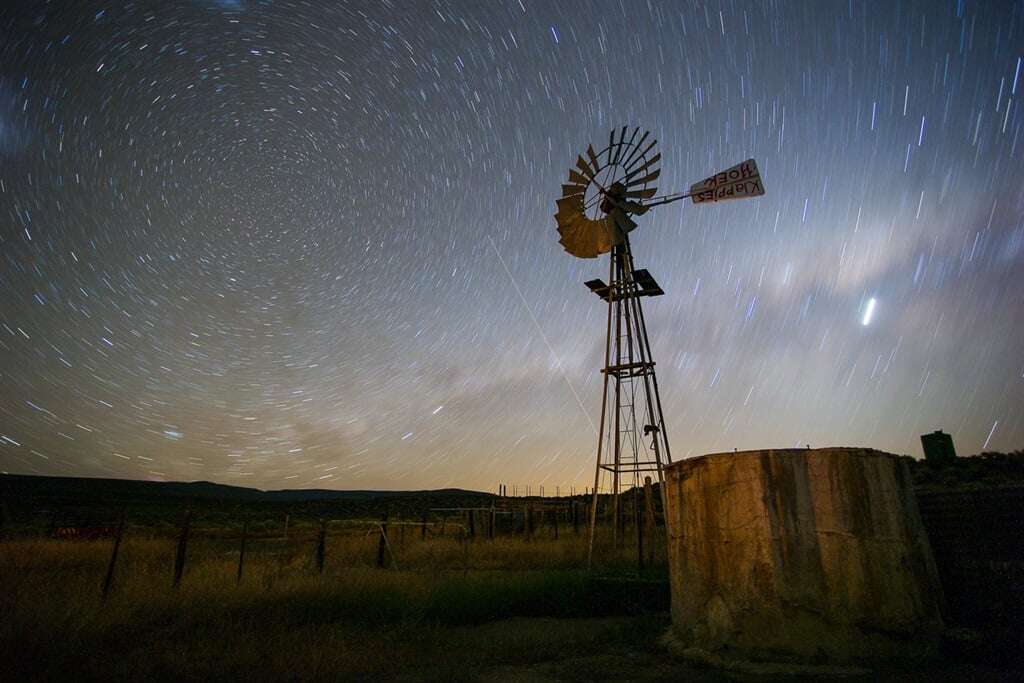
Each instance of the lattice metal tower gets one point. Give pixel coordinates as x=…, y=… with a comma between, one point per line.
x=633, y=440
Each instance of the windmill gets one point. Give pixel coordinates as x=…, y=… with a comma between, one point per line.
x=604, y=192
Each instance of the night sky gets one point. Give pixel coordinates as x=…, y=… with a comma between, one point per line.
x=310, y=244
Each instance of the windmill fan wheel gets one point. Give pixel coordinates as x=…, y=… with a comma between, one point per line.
x=604, y=189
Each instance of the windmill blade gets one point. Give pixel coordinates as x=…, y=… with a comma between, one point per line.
x=643, y=155
x=606, y=236
x=568, y=229
x=572, y=246
x=632, y=154
x=578, y=178
x=585, y=238
x=611, y=146
x=570, y=190
x=637, y=171
x=579, y=238
x=587, y=171
x=593, y=159
x=570, y=205
x=642, y=194
x=649, y=178
x=618, y=147
x=590, y=245
x=570, y=225
x=567, y=234
x=628, y=145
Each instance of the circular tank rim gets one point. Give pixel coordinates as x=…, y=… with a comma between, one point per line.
x=700, y=459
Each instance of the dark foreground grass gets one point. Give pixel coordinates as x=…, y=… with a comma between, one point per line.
x=259, y=648
x=284, y=622
x=352, y=626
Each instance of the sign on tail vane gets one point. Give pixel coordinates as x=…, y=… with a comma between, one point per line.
x=741, y=181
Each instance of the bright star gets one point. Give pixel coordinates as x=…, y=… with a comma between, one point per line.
x=868, y=311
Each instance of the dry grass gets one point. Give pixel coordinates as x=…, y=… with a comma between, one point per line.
x=451, y=610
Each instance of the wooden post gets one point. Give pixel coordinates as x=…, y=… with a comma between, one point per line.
x=423, y=527
x=286, y=518
x=490, y=524
x=575, y=519
x=401, y=534
x=639, y=531
x=382, y=542
x=619, y=518
x=179, y=557
x=472, y=523
x=109, y=578
x=464, y=541
x=241, y=549
x=554, y=518
x=649, y=519
x=321, y=546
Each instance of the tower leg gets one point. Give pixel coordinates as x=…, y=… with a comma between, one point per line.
x=600, y=430
x=636, y=441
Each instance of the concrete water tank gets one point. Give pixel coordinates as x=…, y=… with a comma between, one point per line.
x=799, y=555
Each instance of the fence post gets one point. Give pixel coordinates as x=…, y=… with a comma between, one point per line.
x=472, y=523
x=179, y=558
x=465, y=551
x=286, y=519
x=241, y=549
x=423, y=527
x=382, y=542
x=490, y=524
x=321, y=546
x=554, y=517
x=649, y=519
x=575, y=519
x=639, y=531
x=109, y=578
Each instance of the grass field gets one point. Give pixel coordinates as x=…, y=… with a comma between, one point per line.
x=446, y=608
x=432, y=603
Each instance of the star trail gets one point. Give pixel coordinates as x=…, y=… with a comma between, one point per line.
x=311, y=244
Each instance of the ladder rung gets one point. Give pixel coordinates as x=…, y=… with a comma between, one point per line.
x=633, y=467
x=630, y=367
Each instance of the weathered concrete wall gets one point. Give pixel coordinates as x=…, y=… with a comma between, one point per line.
x=800, y=555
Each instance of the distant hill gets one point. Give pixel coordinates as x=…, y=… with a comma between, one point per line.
x=83, y=489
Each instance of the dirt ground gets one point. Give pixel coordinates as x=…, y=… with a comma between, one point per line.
x=635, y=661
